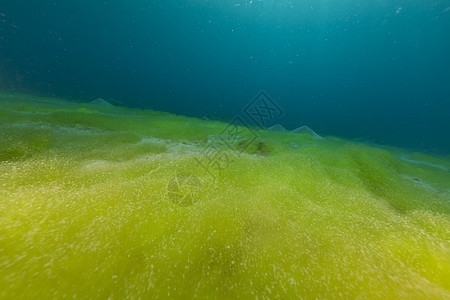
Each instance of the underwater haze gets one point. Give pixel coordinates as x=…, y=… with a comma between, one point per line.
x=376, y=71
x=224, y=149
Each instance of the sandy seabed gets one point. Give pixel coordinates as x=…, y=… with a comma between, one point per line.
x=104, y=202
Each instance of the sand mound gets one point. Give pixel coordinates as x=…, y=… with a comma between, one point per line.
x=302, y=129
x=278, y=127
x=100, y=101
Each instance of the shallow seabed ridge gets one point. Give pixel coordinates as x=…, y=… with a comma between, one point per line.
x=110, y=202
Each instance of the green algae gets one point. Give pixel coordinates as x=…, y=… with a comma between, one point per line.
x=85, y=211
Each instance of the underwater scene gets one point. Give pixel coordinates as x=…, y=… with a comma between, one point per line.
x=225, y=149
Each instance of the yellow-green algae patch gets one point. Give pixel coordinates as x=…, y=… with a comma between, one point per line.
x=85, y=211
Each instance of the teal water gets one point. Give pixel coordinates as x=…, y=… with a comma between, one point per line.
x=224, y=149
x=377, y=71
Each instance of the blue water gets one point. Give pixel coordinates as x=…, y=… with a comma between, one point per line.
x=372, y=70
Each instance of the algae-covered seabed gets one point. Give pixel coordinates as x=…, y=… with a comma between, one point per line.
x=86, y=210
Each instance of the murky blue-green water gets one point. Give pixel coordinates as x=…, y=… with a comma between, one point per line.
x=377, y=71
x=224, y=149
